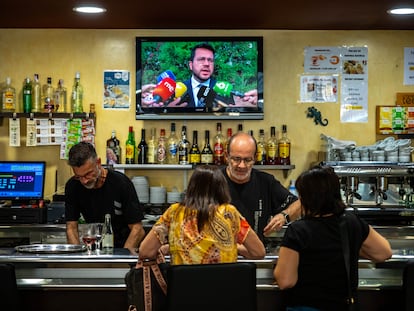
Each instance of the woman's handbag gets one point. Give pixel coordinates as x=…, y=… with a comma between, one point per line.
x=352, y=304
x=146, y=286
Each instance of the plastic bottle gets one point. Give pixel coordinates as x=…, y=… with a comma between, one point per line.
x=108, y=234
x=292, y=188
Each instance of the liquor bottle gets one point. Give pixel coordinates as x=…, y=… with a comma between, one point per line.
x=271, y=148
x=172, y=150
x=219, y=143
x=113, y=150
x=152, y=148
x=108, y=233
x=261, y=149
x=229, y=134
x=142, y=149
x=60, y=97
x=161, y=148
x=207, y=153
x=284, y=147
x=194, y=154
x=48, y=100
x=130, y=147
x=8, y=96
x=240, y=127
x=27, y=95
x=77, y=94
x=250, y=132
x=37, y=94
x=183, y=147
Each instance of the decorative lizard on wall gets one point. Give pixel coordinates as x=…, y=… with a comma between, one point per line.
x=317, y=116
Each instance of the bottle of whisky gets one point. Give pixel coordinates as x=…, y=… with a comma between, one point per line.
x=60, y=97
x=37, y=94
x=130, y=147
x=27, y=96
x=271, y=148
x=161, y=148
x=172, y=150
x=142, y=149
x=77, y=94
x=207, y=153
x=219, y=143
x=48, y=96
x=113, y=150
x=261, y=149
x=152, y=148
x=8, y=96
x=284, y=147
x=183, y=147
x=194, y=154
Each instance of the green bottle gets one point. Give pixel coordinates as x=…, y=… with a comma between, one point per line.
x=130, y=149
x=27, y=96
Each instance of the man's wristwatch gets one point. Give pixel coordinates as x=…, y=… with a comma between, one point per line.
x=286, y=215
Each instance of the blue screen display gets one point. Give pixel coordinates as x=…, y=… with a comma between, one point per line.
x=22, y=180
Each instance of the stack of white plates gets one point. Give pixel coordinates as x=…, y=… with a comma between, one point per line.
x=157, y=195
x=142, y=188
x=173, y=197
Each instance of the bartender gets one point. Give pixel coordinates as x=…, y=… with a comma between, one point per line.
x=94, y=191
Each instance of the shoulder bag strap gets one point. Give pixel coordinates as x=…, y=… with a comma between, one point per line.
x=345, y=250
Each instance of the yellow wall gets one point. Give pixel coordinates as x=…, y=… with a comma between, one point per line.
x=59, y=53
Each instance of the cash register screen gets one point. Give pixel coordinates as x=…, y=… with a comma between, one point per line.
x=22, y=181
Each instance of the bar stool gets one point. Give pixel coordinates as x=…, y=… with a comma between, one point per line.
x=218, y=287
x=8, y=288
x=408, y=285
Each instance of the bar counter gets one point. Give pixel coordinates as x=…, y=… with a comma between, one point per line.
x=59, y=276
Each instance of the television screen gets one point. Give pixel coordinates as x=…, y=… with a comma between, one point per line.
x=22, y=181
x=199, y=78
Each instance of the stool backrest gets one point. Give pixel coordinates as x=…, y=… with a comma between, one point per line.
x=8, y=288
x=218, y=287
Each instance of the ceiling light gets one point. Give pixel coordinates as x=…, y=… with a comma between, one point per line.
x=401, y=11
x=91, y=9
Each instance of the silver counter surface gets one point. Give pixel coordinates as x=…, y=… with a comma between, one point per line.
x=80, y=270
x=83, y=271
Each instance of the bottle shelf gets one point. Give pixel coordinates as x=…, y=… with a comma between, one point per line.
x=49, y=115
x=187, y=167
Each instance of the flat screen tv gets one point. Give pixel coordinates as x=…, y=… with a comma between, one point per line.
x=199, y=78
x=22, y=182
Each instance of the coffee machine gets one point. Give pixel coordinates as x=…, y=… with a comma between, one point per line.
x=382, y=192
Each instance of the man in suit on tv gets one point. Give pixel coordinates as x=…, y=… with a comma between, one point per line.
x=201, y=64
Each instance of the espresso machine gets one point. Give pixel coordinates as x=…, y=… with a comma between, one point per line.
x=380, y=192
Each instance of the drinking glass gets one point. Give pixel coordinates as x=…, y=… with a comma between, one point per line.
x=89, y=236
x=99, y=236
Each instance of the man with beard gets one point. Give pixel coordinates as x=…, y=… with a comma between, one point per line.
x=201, y=64
x=94, y=191
x=258, y=196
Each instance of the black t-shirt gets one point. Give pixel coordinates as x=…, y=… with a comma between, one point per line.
x=322, y=280
x=117, y=197
x=260, y=198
